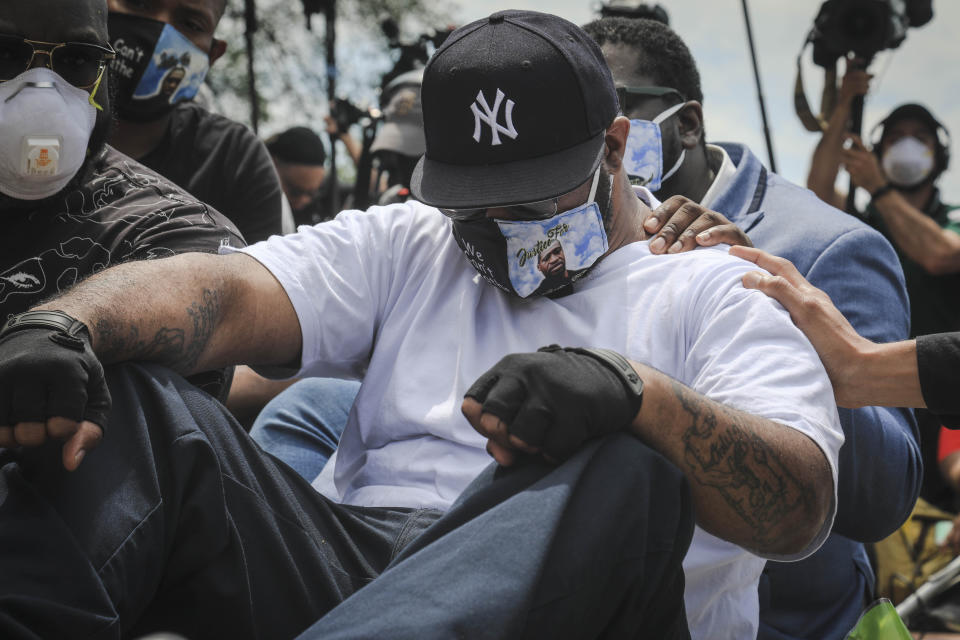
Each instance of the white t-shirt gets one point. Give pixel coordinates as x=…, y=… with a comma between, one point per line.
x=388, y=292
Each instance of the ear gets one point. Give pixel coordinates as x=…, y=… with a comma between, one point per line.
x=615, y=143
x=217, y=48
x=690, y=124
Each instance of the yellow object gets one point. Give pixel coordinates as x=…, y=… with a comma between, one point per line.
x=910, y=555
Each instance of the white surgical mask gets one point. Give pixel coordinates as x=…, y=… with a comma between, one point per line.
x=908, y=162
x=45, y=127
x=643, y=158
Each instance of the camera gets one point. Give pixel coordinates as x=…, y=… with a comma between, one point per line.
x=345, y=113
x=413, y=54
x=864, y=27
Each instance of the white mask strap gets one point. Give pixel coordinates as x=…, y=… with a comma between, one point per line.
x=675, y=167
x=669, y=112
x=596, y=179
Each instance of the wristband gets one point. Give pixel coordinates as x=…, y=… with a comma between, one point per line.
x=882, y=191
x=615, y=362
x=56, y=320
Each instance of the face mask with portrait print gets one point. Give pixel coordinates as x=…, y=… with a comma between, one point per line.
x=908, y=162
x=643, y=158
x=156, y=67
x=529, y=258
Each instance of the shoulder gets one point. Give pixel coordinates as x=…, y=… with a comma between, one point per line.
x=120, y=188
x=403, y=223
x=211, y=129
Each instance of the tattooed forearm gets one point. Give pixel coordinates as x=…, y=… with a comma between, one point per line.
x=204, y=314
x=177, y=347
x=728, y=456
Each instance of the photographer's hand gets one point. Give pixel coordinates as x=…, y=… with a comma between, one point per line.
x=856, y=82
x=862, y=165
x=51, y=385
x=333, y=130
x=549, y=402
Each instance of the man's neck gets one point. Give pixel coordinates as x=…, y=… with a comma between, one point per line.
x=692, y=179
x=137, y=139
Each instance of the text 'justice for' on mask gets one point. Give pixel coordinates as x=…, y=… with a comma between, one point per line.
x=531, y=258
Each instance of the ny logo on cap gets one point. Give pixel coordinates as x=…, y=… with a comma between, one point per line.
x=490, y=117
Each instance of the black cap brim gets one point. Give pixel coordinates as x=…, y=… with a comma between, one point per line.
x=453, y=186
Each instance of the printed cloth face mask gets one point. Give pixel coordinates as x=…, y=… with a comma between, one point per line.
x=908, y=162
x=643, y=157
x=156, y=66
x=45, y=128
x=529, y=258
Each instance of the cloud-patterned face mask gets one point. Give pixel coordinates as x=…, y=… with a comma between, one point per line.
x=530, y=258
x=643, y=158
x=156, y=66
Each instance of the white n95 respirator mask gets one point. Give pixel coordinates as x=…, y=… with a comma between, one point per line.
x=45, y=127
x=908, y=162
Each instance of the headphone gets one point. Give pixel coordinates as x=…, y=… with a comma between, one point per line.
x=941, y=152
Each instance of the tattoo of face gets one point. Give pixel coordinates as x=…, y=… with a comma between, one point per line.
x=743, y=468
x=177, y=347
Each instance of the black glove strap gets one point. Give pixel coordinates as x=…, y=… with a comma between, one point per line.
x=615, y=362
x=56, y=320
x=620, y=366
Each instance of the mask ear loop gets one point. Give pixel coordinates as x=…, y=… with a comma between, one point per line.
x=669, y=112
x=93, y=93
x=596, y=180
x=660, y=118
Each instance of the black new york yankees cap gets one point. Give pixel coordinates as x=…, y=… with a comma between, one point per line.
x=515, y=107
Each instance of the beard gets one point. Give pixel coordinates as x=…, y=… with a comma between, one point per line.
x=604, y=198
x=102, y=129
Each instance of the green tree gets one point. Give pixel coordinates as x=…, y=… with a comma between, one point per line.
x=291, y=70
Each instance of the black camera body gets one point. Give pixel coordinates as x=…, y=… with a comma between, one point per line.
x=864, y=27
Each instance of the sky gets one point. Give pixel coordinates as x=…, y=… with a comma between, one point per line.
x=923, y=69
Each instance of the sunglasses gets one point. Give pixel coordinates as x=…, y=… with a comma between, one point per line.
x=79, y=63
x=628, y=96
x=539, y=210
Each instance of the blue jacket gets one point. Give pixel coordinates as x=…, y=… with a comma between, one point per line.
x=880, y=466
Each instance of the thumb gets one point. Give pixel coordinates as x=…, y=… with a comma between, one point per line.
x=86, y=438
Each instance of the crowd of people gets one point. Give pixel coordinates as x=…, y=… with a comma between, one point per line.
x=577, y=372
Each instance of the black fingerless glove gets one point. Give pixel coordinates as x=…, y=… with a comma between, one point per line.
x=557, y=398
x=48, y=369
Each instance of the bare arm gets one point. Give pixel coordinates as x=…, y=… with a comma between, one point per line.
x=349, y=143
x=191, y=312
x=936, y=249
x=825, y=163
x=755, y=482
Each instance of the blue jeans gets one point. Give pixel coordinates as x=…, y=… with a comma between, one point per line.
x=178, y=522
x=303, y=424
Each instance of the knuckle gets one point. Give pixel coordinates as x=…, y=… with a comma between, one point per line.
x=676, y=201
x=714, y=218
x=692, y=209
x=670, y=229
